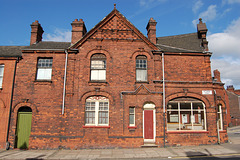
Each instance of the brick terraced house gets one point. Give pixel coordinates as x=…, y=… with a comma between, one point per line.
x=114, y=87
x=234, y=104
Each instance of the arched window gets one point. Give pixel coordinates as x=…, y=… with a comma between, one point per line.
x=97, y=111
x=141, y=68
x=186, y=114
x=98, y=67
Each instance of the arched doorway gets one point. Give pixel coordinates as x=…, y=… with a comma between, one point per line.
x=24, y=120
x=149, y=123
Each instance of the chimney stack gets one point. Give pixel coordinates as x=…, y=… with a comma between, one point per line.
x=78, y=30
x=202, y=33
x=230, y=88
x=36, y=33
x=151, y=30
x=216, y=74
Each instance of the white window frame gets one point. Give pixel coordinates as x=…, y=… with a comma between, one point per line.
x=192, y=118
x=97, y=100
x=140, y=68
x=133, y=114
x=220, y=119
x=44, y=72
x=1, y=74
x=98, y=68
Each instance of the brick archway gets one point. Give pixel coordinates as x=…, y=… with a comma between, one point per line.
x=188, y=94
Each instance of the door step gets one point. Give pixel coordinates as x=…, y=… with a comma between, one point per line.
x=149, y=145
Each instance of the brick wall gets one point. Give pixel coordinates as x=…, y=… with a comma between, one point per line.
x=5, y=97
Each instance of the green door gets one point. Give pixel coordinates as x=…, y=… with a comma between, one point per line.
x=23, y=129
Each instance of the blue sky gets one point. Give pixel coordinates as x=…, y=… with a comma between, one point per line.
x=173, y=16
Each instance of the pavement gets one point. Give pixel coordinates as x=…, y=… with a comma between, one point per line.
x=230, y=149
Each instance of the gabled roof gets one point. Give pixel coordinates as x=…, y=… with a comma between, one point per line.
x=105, y=20
x=180, y=43
x=48, y=45
x=11, y=51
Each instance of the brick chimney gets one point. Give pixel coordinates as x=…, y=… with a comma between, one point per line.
x=230, y=88
x=151, y=30
x=216, y=74
x=78, y=30
x=36, y=33
x=202, y=34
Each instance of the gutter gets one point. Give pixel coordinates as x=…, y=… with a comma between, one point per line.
x=11, y=103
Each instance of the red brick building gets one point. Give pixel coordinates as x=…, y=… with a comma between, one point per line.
x=114, y=87
x=234, y=105
x=9, y=57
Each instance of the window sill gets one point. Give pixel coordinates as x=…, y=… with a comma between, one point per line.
x=84, y=126
x=223, y=131
x=142, y=82
x=97, y=83
x=42, y=82
x=132, y=127
x=184, y=131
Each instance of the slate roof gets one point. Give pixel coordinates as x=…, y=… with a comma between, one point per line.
x=11, y=51
x=49, y=45
x=180, y=43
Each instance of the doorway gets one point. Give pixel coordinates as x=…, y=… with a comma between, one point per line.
x=24, y=121
x=149, y=125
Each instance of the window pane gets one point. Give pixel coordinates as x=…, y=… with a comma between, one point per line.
x=98, y=74
x=44, y=74
x=90, y=117
x=1, y=80
x=98, y=64
x=131, y=119
x=1, y=70
x=103, y=117
x=141, y=75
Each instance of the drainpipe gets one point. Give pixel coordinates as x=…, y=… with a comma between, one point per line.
x=10, y=108
x=64, y=82
x=164, y=110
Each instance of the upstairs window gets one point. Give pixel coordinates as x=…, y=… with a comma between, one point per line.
x=96, y=111
x=44, y=69
x=98, y=67
x=141, y=68
x=1, y=74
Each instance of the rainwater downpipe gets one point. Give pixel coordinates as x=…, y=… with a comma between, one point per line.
x=164, y=110
x=64, y=82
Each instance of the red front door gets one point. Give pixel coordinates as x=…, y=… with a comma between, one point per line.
x=148, y=124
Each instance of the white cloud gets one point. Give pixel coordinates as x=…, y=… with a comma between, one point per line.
x=226, y=43
x=208, y=15
x=226, y=53
x=59, y=35
x=150, y=3
x=233, y=1
x=197, y=6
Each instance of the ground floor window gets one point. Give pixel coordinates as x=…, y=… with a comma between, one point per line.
x=131, y=116
x=220, y=121
x=186, y=114
x=97, y=111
